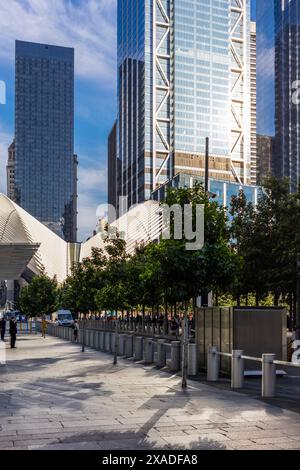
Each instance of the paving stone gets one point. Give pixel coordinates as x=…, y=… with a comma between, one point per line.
x=62, y=398
x=6, y=445
x=254, y=434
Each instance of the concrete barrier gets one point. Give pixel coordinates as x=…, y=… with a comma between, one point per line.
x=174, y=361
x=121, y=351
x=192, y=360
x=107, y=336
x=148, y=351
x=97, y=338
x=101, y=341
x=112, y=342
x=138, y=348
x=160, y=355
x=129, y=345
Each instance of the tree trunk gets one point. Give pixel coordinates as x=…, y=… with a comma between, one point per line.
x=185, y=340
x=116, y=342
x=83, y=333
x=143, y=318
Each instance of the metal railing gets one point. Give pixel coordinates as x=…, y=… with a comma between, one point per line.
x=164, y=330
x=268, y=361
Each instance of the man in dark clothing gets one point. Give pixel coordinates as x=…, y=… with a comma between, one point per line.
x=3, y=328
x=13, y=332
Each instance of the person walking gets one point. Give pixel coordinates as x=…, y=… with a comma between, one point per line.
x=13, y=332
x=3, y=328
x=44, y=327
x=75, y=330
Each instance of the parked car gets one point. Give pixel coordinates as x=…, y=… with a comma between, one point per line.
x=63, y=318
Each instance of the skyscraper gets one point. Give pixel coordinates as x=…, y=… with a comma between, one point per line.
x=45, y=175
x=253, y=144
x=278, y=67
x=265, y=66
x=114, y=170
x=10, y=171
x=287, y=76
x=183, y=75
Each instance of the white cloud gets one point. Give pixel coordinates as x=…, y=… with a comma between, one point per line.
x=92, y=179
x=87, y=25
x=92, y=189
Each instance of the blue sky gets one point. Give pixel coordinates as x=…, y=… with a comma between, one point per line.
x=90, y=27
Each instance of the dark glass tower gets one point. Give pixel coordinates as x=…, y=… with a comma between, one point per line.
x=287, y=76
x=265, y=67
x=278, y=75
x=45, y=165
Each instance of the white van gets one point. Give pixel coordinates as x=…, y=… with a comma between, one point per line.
x=63, y=318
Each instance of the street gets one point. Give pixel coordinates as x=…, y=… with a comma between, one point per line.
x=53, y=396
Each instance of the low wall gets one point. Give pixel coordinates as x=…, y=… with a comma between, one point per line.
x=254, y=330
x=149, y=350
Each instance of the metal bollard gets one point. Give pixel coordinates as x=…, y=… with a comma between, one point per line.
x=268, y=375
x=213, y=364
x=237, y=369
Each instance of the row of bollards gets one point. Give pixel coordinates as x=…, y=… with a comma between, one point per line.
x=140, y=348
x=268, y=386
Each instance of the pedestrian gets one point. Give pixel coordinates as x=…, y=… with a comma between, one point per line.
x=75, y=330
x=44, y=327
x=3, y=328
x=13, y=332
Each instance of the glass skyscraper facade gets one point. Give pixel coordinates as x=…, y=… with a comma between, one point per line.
x=45, y=173
x=265, y=65
x=287, y=76
x=278, y=58
x=183, y=75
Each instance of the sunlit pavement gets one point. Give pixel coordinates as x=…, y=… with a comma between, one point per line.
x=53, y=396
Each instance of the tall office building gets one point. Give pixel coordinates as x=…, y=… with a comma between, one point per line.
x=278, y=67
x=10, y=171
x=183, y=75
x=265, y=152
x=265, y=86
x=287, y=75
x=265, y=66
x=45, y=175
x=114, y=170
x=253, y=143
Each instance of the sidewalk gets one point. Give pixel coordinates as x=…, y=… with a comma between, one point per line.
x=53, y=396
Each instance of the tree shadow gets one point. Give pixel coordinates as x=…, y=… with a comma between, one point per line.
x=126, y=441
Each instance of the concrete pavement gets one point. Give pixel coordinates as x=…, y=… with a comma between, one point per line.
x=53, y=396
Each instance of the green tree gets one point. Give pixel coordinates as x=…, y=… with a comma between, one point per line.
x=78, y=291
x=39, y=297
x=266, y=238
